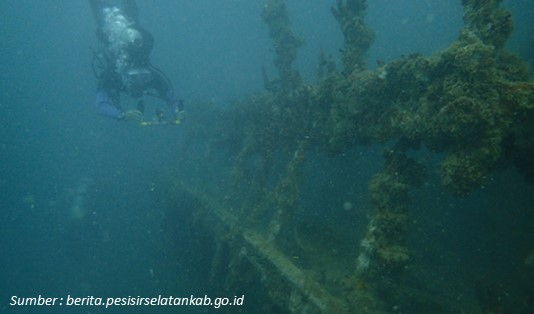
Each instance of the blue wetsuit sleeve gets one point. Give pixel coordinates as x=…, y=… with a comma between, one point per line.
x=105, y=107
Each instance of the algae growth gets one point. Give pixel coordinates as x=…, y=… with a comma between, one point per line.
x=472, y=105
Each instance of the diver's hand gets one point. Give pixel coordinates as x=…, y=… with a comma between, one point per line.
x=178, y=115
x=132, y=115
x=177, y=108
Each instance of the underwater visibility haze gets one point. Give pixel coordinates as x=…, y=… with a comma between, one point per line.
x=343, y=156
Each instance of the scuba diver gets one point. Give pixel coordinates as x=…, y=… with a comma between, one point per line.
x=123, y=65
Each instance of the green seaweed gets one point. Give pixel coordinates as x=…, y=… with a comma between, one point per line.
x=472, y=103
x=285, y=42
x=358, y=37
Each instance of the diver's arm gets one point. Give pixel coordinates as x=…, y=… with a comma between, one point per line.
x=97, y=11
x=130, y=7
x=105, y=107
x=165, y=91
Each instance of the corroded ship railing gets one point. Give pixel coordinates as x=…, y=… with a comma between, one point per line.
x=472, y=103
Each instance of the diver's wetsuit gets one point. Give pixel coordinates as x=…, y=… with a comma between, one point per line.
x=125, y=59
